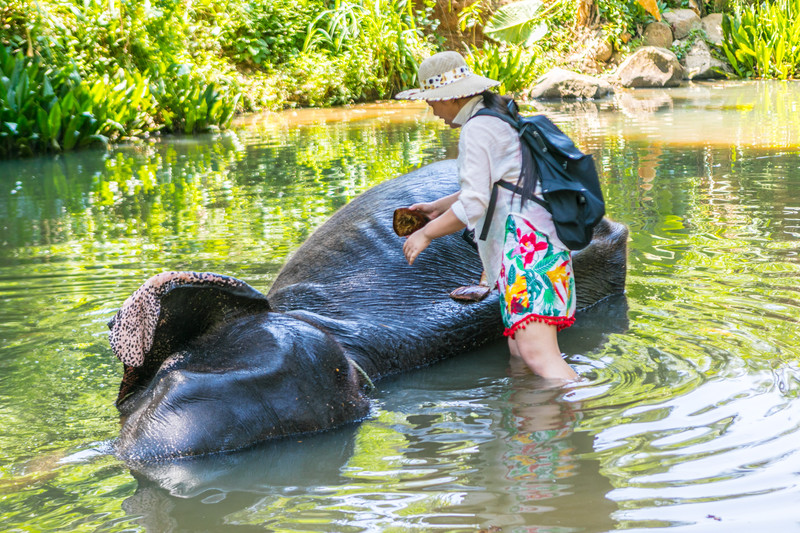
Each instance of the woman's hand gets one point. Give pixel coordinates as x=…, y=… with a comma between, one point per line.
x=437, y=208
x=428, y=209
x=445, y=224
x=415, y=244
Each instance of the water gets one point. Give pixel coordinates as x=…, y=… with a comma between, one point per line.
x=688, y=420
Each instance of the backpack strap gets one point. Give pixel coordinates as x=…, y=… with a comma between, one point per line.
x=539, y=147
x=485, y=111
x=512, y=108
x=493, y=201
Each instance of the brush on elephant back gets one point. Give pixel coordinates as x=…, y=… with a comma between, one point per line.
x=406, y=221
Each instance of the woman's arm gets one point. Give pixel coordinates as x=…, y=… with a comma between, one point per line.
x=443, y=225
x=436, y=208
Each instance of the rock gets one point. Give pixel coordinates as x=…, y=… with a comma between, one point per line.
x=650, y=66
x=699, y=64
x=657, y=34
x=590, y=67
x=616, y=58
x=682, y=21
x=603, y=51
x=560, y=83
x=695, y=6
x=712, y=24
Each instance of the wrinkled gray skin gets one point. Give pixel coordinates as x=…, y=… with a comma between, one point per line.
x=236, y=374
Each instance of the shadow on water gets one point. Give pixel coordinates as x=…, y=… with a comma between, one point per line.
x=593, y=326
x=197, y=494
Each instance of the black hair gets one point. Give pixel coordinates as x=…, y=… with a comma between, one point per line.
x=506, y=105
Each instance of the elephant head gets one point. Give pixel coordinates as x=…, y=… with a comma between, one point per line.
x=208, y=366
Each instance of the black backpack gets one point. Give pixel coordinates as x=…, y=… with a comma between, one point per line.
x=570, y=185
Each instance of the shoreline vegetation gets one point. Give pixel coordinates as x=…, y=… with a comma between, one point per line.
x=76, y=73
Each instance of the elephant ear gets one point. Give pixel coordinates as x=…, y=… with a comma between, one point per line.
x=168, y=311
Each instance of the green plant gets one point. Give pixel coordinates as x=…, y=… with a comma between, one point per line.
x=269, y=33
x=17, y=19
x=189, y=104
x=171, y=46
x=514, y=66
x=473, y=16
x=381, y=35
x=682, y=48
x=42, y=110
x=763, y=39
x=520, y=23
x=621, y=17
x=319, y=78
x=512, y=55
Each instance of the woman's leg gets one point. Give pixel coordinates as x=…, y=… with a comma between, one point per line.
x=537, y=345
x=515, y=362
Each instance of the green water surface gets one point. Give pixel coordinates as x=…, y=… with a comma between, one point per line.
x=688, y=419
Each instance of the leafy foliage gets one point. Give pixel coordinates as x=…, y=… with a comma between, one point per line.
x=269, y=33
x=622, y=17
x=516, y=67
x=188, y=66
x=473, y=15
x=380, y=38
x=190, y=103
x=763, y=39
x=42, y=110
x=204, y=60
x=518, y=23
x=93, y=41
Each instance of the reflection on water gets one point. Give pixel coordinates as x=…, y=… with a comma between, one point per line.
x=748, y=114
x=688, y=418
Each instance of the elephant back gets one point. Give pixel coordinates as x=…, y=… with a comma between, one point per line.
x=352, y=274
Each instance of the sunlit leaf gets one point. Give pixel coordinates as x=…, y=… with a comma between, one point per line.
x=47, y=90
x=54, y=120
x=519, y=23
x=91, y=139
x=651, y=6
x=41, y=120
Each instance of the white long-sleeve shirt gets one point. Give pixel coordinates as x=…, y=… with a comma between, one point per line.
x=488, y=151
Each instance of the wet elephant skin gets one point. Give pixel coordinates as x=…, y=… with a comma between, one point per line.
x=344, y=311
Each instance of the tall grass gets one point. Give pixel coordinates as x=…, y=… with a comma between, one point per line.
x=382, y=35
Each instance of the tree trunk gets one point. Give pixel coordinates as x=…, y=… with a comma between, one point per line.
x=587, y=13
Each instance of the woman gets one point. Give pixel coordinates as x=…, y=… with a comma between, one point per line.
x=521, y=252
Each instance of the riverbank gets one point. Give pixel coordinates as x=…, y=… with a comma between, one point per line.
x=97, y=72
x=747, y=114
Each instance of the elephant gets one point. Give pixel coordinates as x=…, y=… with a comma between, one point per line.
x=212, y=364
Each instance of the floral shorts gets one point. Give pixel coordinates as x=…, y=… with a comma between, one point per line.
x=536, y=281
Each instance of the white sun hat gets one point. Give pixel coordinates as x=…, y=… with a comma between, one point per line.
x=446, y=76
